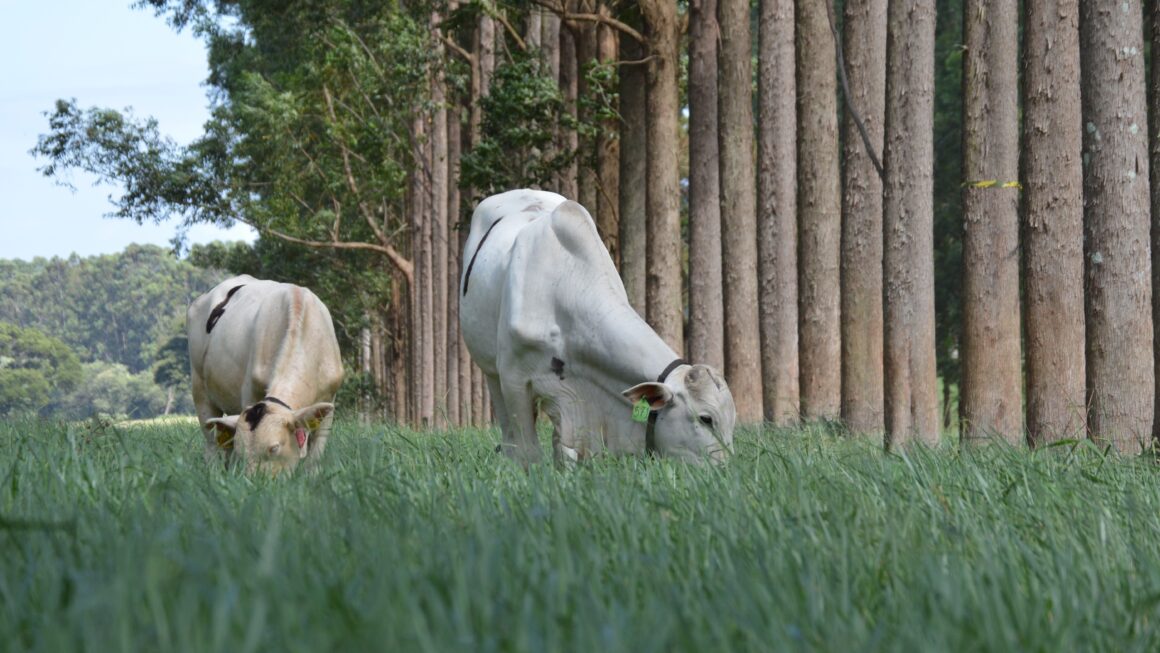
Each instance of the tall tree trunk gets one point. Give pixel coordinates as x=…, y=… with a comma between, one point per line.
x=739, y=209
x=481, y=86
x=424, y=334
x=584, y=36
x=864, y=49
x=534, y=28
x=608, y=152
x=1120, y=374
x=911, y=398
x=777, y=213
x=633, y=171
x=1154, y=178
x=991, y=397
x=550, y=51
x=438, y=214
x=663, y=219
x=706, y=307
x=819, y=214
x=456, y=352
x=550, y=43
x=1053, y=222
x=568, y=184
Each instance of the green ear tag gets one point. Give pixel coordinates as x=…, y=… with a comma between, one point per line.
x=640, y=411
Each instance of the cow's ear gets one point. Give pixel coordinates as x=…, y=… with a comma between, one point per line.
x=311, y=417
x=656, y=394
x=224, y=429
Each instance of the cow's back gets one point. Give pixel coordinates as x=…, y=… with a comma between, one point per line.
x=495, y=226
x=248, y=334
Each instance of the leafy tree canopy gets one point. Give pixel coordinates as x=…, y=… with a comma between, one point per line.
x=35, y=368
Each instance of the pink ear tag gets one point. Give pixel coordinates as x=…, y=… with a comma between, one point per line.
x=300, y=434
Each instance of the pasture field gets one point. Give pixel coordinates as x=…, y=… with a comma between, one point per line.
x=123, y=539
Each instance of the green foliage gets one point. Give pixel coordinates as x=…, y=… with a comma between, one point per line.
x=114, y=308
x=521, y=116
x=311, y=110
x=111, y=391
x=34, y=369
x=122, y=539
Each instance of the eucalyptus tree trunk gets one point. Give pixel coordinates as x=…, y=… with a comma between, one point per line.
x=663, y=220
x=819, y=214
x=423, y=332
x=864, y=50
x=706, y=308
x=569, y=141
x=1120, y=373
x=608, y=152
x=584, y=36
x=991, y=399
x=1053, y=222
x=457, y=358
x=911, y=398
x=738, y=209
x=777, y=212
x=1154, y=178
x=633, y=170
x=484, y=70
x=437, y=161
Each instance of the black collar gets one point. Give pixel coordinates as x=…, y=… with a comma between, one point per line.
x=278, y=401
x=650, y=438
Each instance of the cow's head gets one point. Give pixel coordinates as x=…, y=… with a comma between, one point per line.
x=268, y=435
x=694, y=413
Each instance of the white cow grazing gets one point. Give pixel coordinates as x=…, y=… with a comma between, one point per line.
x=545, y=316
x=264, y=355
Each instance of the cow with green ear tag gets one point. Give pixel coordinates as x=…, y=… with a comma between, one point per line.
x=265, y=367
x=545, y=316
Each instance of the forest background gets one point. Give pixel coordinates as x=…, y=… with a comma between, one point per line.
x=356, y=136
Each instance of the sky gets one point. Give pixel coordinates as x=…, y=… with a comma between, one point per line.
x=102, y=53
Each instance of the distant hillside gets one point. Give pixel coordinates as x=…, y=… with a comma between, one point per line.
x=117, y=308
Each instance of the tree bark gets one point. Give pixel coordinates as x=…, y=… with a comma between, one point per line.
x=663, y=219
x=424, y=332
x=633, y=172
x=608, y=153
x=991, y=397
x=777, y=213
x=1053, y=222
x=706, y=308
x=738, y=209
x=864, y=49
x=439, y=243
x=1154, y=178
x=456, y=352
x=911, y=399
x=584, y=36
x=1120, y=374
x=819, y=214
x=568, y=183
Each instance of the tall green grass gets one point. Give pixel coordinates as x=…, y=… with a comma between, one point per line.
x=124, y=539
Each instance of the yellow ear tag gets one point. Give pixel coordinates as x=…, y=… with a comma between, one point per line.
x=640, y=411
x=225, y=439
x=312, y=424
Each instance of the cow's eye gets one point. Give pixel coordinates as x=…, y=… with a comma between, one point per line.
x=274, y=449
x=706, y=420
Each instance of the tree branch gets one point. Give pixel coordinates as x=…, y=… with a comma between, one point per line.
x=846, y=94
x=401, y=264
x=562, y=11
x=457, y=49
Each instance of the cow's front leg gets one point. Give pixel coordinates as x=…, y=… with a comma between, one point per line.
x=515, y=408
